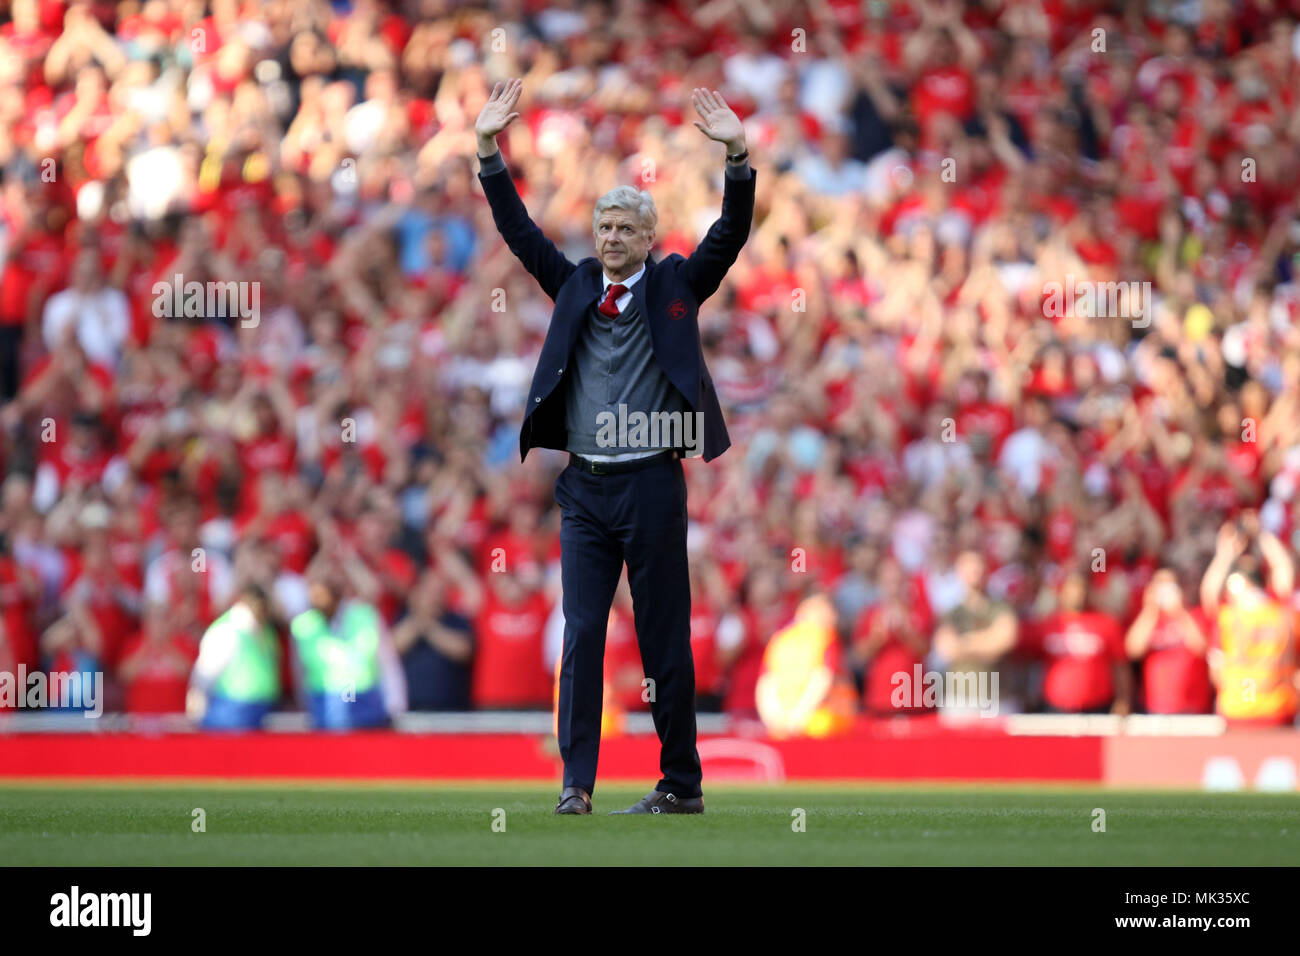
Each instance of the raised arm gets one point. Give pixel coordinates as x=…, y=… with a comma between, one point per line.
x=540, y=257
x=1228, y=546
x=1281, y=569
x=709, y=263
x=498, y=113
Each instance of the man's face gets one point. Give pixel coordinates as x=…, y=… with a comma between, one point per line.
x=1242, y=591
x=85, y=275
x=1168, y=595
x=1073, y=593
x=970, y=568
x=622, y=242
x=322, y=597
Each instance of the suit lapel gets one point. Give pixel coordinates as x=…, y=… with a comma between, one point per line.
x=638, y=291
x=589, y=289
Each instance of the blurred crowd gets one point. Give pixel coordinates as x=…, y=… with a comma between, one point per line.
x=1099, y=503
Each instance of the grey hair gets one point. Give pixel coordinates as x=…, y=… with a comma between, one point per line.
x=630, y=198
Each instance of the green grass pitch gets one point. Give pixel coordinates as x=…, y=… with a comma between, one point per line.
x=448, y=824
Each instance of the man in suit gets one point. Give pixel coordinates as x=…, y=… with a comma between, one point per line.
x=622, y=386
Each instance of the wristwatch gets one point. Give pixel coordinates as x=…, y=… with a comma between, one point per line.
x=739, y=157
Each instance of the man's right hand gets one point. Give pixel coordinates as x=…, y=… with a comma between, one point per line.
x=497, y=115
x=1230, y=541
x=196, y=704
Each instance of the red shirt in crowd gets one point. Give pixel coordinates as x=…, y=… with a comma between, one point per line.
x=516, y=550
x=99, y=591
x=508, y=667
x=946, y=89
x=273, y=452
x=161, y=675
x=16, y=614
x=1175, y=679
x=623, y=669
x=704, y=647
x=292, y=534
x=989, y=419
x=1081, y=648
x=41, y=257
x=893, y=657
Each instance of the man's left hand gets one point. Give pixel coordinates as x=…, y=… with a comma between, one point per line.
x=720, y=121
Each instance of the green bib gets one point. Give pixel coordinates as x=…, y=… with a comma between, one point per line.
x=253, y=674
x=336, y=662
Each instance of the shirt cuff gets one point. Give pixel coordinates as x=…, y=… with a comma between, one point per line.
x=738, y=171
x=492, y=164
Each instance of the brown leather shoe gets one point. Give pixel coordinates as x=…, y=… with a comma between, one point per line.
x=656, y=801
x=574, y=800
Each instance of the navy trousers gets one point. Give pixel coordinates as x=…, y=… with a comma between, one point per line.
x=638, y=517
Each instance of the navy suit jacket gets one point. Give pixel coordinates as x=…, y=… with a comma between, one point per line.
x=668, y=295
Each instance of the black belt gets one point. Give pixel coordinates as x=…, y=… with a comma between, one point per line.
x=619, y=467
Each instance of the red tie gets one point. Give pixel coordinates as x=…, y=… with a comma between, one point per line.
x=608, y=308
